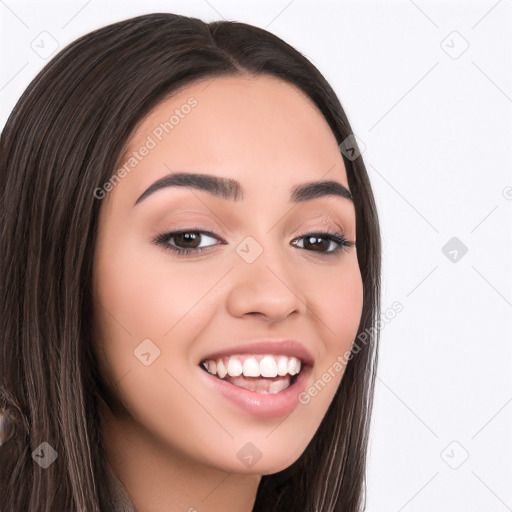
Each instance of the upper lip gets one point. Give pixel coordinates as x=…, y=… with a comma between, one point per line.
x=286, y=347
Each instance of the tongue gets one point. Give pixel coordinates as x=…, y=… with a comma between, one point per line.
x=260, y=384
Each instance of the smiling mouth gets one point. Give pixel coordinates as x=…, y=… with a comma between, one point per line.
x=260, y=373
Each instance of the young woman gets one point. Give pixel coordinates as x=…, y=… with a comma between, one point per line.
x=190, y=279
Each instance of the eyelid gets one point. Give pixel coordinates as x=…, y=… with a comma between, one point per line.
x=324, y=218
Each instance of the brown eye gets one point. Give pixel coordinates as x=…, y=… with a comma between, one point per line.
x=324, y=243
x=184, y=243
x=189, y=240
x=314, y=243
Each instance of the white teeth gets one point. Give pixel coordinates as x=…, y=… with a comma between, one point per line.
x=234, y=367
x=253, y=366
x=282, y=366
x=262, y=386
x=221, y=369
x=293, y=366
x=268, y=367
x=297, y=364
x=277, y=386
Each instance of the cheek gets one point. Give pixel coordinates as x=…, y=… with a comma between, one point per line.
x=142, y=293
x=141, y=297
x=338, y=302
x=145, y=296
x=345, y=308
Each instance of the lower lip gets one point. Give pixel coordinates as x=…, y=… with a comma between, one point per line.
x=262, y=405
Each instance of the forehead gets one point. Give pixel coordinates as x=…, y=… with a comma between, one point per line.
x=259, y=130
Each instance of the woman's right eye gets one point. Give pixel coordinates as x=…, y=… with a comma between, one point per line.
x=190, y=239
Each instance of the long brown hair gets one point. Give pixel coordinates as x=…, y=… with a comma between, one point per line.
x=61, y=142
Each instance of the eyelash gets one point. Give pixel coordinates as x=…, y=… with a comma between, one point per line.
x=163, y=240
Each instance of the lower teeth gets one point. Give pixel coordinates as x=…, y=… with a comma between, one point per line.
x=261, y=385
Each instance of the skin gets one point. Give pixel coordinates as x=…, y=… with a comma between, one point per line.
x=174, y=444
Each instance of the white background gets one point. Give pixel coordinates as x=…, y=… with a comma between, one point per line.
x=436, y=123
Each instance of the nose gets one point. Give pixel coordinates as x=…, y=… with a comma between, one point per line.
x=268, y=288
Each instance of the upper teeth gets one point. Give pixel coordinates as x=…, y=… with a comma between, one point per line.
x=253, y=366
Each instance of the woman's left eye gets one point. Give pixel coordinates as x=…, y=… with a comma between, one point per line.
x=334, y=241
x=320, y=242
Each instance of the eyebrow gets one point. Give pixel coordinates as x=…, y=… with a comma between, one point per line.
x=230, y=189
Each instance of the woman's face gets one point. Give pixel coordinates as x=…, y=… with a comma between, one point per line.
x=160, y=314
